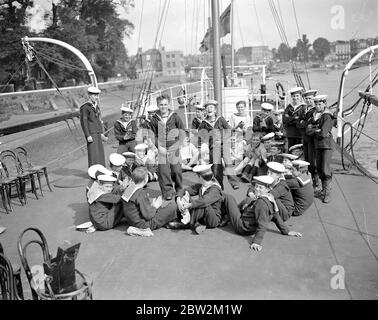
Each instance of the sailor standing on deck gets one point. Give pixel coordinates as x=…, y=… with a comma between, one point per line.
x=291, y=117
x=125, y=130
x=169, y=135
x=263, y=122
x=200, y=115
x=323, y=144
x=218, y=132
x=91, y=123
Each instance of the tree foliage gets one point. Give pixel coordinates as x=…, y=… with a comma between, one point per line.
x=303, y=46
x=321, y=47
x=284, y=52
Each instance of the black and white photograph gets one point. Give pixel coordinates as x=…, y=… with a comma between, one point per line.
x=189, y=156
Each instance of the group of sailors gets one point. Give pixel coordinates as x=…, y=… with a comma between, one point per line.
x=284, y=154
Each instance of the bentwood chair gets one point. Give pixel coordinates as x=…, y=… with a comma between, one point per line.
x=27, y=167
x=11, y=166
x=10, y=279
x=6, y=185
x=41, y=288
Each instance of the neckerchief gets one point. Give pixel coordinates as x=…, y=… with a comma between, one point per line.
x=94, y=192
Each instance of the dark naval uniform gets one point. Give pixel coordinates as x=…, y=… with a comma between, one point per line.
x=207, y=208
x=323, y=144
x=215, y=139
x=125, y=133
x=308, y=141
x=140, y=214
x=106, y=212
x=263, y=129
x=169, y=135
x=90, y=120
x=196, y=123
x=284, y=199
x=290, y=120
x=303, y=193
x=254, y=219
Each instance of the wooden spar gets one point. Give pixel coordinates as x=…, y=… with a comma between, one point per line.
x=370, y=97
x=232, y=43
x=216, y=55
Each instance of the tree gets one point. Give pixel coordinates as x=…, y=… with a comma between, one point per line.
x=321, y=47
x=284, y=52
x=303, y=47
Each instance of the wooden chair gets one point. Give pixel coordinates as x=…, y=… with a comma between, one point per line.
x=11, y=166
x=45, y=292
x=10, y=279
x=27, y=167
x=7, y=183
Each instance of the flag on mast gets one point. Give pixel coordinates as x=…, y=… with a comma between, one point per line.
x=225, y=27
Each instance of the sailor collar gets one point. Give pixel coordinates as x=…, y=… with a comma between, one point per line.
x=124, y=124
x=215, y=121
x=214, y=183
x=161, y=117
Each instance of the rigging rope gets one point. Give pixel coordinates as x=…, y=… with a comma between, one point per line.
x=258, y=22
x=11, y=78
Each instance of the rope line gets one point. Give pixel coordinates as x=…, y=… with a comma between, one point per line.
x=14, y=73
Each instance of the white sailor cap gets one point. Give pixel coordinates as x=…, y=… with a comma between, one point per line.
x=126, y=109
x=276, y=167
x=266, y=106
x=203, y=169
x=310, y=93
x=264, y=180
x=97, y=169
x=94, y=90
x=106, y=178
x=295, y=90
x=152, y=108
x=211, y=102
x=289, y=156
x=199, y=107
x=117, y=159
x=129, y=154
x=321, y=97
x=300, y=163
x=278, y=111
x=296, y=146
x=141, y=146
x=268, y=136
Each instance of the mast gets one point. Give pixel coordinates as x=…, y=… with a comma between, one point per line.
x=232, y=43
x=216, y=55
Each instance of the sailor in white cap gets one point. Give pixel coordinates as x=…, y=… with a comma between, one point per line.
x=142, y=212
x=168, y=129
x=263, y=122
x=206, y=210
x=267, y=141
x=92, y=126
x=142, y=158
x=125, y=130
x=128, y=167
x=105, y=207
x=277, y=122
x=200, y=115
x=291, y=116
x=301, y=187
x=323, y=141
x=253, y=219
x=297, y=150
x=116, y=162
x=280, y=190
x=217, y=132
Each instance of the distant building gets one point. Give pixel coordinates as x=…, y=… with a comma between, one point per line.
x=172, y=62
x=261, y=55
x=341, y=50
x=244, y=56
x=147, y=61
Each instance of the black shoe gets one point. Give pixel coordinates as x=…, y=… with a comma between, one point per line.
x=177, y=225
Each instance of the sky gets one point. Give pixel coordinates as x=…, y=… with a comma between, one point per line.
x=187, y=21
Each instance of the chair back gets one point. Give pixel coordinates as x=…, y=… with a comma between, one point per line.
x=22, y=251
x=7, y=286
x=10, y=163
x=23, y=158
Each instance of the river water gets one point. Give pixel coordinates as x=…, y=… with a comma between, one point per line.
x=366, y=149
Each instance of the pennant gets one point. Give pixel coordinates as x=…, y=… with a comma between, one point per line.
x=225, y=22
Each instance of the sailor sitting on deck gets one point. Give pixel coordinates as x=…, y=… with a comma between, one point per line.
x=141, y=212
x=105, y=207
x=189, y=154
x=116, y=162
x=280, y=190
x=143, y=158
x=205, y=211
x=254, y=218
x=128, y=167
x=125, y=130
x=94, y=171
x=263, y=122
x=301, y=187
x=297, y=150
x=287, y=161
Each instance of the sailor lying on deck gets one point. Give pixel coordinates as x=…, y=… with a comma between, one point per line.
x=254, y=218
x=142, y=212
